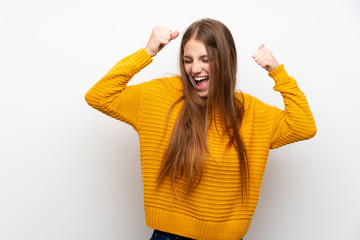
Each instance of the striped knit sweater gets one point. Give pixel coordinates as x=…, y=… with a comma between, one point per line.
x=214, y=210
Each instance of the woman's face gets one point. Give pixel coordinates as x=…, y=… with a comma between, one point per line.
x=196, y=63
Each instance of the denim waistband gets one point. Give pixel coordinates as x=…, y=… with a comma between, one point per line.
x=159, y=235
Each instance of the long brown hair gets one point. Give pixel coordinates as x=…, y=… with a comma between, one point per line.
x=187, y=149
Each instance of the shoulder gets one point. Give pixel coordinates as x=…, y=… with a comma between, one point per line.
x=168, y=82
x=161, y=87
x=250, y=102
x=246, y=99
x=172, y=83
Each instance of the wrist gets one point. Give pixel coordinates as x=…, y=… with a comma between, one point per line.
x=149, y=52
x=273, y=67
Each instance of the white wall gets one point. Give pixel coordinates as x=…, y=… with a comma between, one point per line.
x=70, y=172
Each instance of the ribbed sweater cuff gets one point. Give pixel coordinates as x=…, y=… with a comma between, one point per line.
x=142, y=58
x=134, y=62
x=278, y=73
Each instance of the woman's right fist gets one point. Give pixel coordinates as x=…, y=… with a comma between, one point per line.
x=160, y=36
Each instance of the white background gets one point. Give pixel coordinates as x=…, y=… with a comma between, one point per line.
x=70, y=172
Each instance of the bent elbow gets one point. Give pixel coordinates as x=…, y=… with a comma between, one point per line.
x=311, y=130
x=88, y=98
x=91, y=99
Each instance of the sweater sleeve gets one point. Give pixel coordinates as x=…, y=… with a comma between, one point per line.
x=296, y=122
x=111, y=96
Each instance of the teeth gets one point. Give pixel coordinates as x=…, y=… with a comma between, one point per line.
x=200, y=78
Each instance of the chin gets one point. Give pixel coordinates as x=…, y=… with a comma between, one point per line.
x=203, y=94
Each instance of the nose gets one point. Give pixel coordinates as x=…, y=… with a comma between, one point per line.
x=196, y=67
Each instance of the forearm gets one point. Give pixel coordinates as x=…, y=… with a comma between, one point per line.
x=296, y=122
x=110, y=94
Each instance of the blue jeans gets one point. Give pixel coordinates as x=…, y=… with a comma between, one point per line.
x=159, y=235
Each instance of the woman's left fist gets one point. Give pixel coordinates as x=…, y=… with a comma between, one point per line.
x=265, y=59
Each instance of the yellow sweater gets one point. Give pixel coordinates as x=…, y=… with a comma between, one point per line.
x=214, y=210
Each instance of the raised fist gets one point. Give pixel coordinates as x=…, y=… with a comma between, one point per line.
x=160, y=37
x=265, y=59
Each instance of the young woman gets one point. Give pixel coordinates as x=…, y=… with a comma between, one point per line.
x=203, y=146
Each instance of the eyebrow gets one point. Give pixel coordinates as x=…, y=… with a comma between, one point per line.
x=203, y=56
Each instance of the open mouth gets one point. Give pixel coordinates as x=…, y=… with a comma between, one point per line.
x=201, y=82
